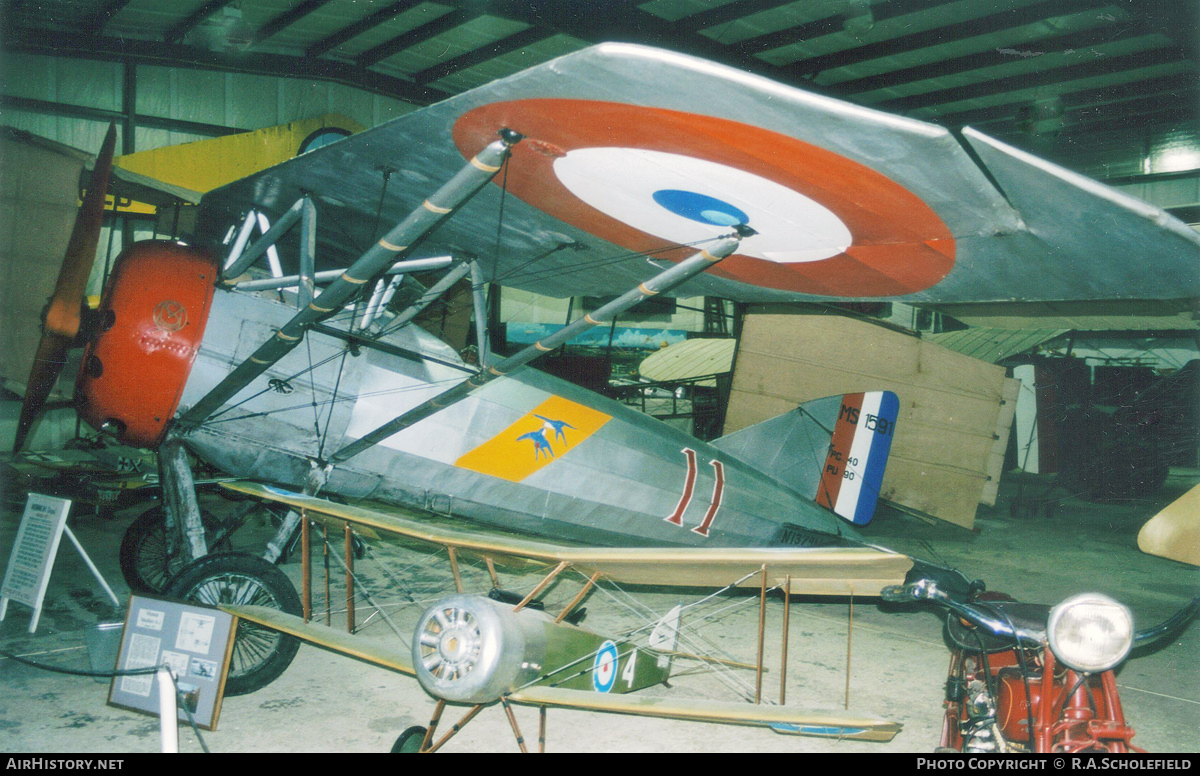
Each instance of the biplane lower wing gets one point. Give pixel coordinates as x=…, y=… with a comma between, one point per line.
x=859, y=571
x=782, y=719
x=366, y=648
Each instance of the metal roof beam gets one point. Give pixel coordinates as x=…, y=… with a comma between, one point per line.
x=1132, y=116
x=980, y=60
x=730, y=12
x=359, y=27
x=285, y=20
x=786, y=37
x=194, y=19
x=828, y=25
x=58, y=44
x=625, y=22
x=105, y=15
x=982, y=25
x=601, y=22
x=1169, y=86
x=592, y=23
x=1100, y=67
x=414, y=36
x=499, y=48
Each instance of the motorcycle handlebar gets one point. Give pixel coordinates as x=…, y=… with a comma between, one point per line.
x=979, y=614
x=993, y=621
x=1170, y=625
x=897, y=594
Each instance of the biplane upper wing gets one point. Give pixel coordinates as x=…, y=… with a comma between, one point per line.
x=632, y=152
x=821, y=571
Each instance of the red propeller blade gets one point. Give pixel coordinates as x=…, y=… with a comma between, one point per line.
x=62, y=314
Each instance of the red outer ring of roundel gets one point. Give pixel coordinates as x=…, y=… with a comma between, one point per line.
x=900, y=244
x=159, y=298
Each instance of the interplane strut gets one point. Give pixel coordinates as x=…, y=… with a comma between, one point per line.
x=396, y=244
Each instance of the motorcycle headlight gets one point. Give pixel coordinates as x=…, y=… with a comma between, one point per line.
x=1090, y=632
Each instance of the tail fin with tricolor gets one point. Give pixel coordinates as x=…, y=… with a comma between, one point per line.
x=832, y=450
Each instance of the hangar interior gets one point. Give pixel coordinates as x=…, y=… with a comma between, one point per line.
x=1035, y=437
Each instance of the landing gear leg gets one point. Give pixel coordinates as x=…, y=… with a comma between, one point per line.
x=185, y=527
x=318, y=473
x=282, y=538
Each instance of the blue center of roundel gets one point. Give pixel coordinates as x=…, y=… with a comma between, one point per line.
x=700, y=207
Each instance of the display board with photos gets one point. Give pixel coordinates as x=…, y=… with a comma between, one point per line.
x=193, y=641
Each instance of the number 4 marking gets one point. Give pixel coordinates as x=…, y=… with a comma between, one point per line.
x=630, y=669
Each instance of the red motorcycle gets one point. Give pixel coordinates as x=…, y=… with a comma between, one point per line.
x=1033, y=678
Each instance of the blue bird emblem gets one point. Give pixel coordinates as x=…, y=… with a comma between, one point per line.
x=556, y=425
x=540, y=443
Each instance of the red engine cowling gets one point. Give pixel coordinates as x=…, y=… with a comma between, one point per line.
x=151, y=320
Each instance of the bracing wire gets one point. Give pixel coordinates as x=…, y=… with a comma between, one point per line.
x=687, y=635
x=332, y=402
x=312, y=387
x=342, y=400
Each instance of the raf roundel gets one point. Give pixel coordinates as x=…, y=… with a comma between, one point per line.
x=604, y=670
x=658, y=181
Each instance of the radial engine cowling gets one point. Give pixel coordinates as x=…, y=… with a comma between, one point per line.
x=150, y=323
x=471, y=649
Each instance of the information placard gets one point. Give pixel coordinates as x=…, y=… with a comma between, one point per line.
x=33, y=554
x=193, y=641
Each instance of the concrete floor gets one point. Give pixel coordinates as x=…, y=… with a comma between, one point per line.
x=326, y=702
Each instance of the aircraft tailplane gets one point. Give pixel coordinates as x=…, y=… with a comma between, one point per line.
x=833, y=450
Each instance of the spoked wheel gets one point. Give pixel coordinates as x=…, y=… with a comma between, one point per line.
x=145, y=564
x=409, y=741
x=260, y=655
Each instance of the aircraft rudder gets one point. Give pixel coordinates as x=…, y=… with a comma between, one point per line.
x=860, y=444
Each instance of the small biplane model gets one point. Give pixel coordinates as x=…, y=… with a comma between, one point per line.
x=499, y=646
x=617, y=170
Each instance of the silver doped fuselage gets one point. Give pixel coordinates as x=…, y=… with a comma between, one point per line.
x=528, y=452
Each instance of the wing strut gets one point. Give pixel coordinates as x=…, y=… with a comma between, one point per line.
x=398, y=242
x=326, y=275
x=660, y=283
x=240, y=261
x=386, y=321
x=479, y=300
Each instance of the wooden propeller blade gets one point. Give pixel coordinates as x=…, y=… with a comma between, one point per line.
x=63, y=313
x=62, y=317
x=51, y=355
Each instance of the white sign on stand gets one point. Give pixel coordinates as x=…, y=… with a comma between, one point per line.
x=28, y=574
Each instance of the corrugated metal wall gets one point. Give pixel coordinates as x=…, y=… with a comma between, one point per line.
x=231, y=100
x=225, y=99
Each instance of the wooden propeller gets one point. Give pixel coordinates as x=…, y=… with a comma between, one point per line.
x=61, y=323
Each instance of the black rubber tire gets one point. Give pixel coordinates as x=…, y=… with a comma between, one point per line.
x=260, y=655
x=409, y=741
x=144, y=562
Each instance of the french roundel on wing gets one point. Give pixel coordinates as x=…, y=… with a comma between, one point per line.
x=650, y=179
